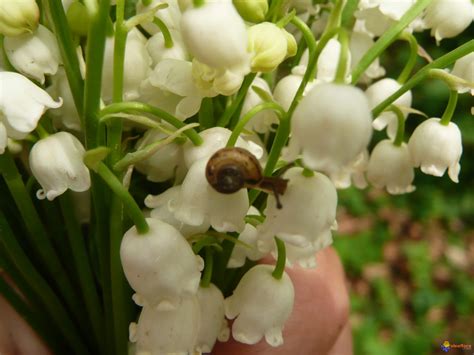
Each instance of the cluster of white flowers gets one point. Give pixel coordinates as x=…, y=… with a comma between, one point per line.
x=196, y=53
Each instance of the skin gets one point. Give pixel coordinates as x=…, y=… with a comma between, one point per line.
x=319, y=324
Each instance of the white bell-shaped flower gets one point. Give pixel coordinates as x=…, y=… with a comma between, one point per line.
x=164, y=163
x=215, y=81
x=352, y=173
x=305, y=257
x=18, y=17
x=162, y=206
x=262, y=121
x=56, y=162
x=309, y=209
x=262, y=304
x=22, y=104
x=328, y=62
x=160, y=265
x=359, y=45
x=199, y=203
x=160, y=332
x=158, y=51
x=379, y=91
x=66, y=115
x=249, y=249
x=213, y=324
x=34, y=54
x=136, y=66
x=440, y=14
x=436, y=147
x=285, y=90
x=379, y=15
x=216, y=138
x=391, y=166
x=464, y=69
x=334, y=134
x=215, y=35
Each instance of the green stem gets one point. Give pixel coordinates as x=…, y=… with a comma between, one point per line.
x=307, y=36
x=387, y=38
x=48, y=298
x=206, y=113
x=39, y=239
x=224, y=120
x=118, y=189
x=82, y=266
x=165, y=31
x=449, y=111
x=401, y=125
x=441, y=62
x=281, y=261
x=141, y=107
x=249, y=115
x=335, y=17
x=406, y=72
x=68, y=52
x=207, y=273
x=343, y=57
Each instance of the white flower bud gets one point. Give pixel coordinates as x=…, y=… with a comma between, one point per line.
x=262, y=304
x=337, y=132
x=249, y=236
x=160, y=265
x=161, y=205
x=161, y=332
x=56, y=162
x=269, y=45
x=328, y=61
x=440, y=15
x=285, y=90
x=215, y=35
x=157, y=50
x=162, y=165
x=436, y=147
x=22, y=104
x=136, y=66
x=262, y=121
x=379, y=91
x=199, y=203
x=391, y=166
x=213, y=324
x=214, y=139
x=18, y=17
x=34, y=54
x=309, y=211
x=464, y=69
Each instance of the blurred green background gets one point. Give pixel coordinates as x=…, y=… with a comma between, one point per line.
x=410, y=259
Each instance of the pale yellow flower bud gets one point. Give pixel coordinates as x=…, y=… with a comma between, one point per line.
x=18, y=17
x=252, y=10
x=270, y=45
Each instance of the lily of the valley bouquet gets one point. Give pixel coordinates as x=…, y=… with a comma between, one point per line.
x=168, y=146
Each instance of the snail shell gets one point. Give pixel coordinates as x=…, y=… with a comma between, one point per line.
x=231, y=169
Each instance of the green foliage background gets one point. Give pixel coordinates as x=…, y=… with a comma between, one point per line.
x=418, y=296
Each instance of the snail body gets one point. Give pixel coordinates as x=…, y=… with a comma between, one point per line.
x=231, y=169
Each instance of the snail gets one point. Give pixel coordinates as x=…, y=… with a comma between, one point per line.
x=231, y=169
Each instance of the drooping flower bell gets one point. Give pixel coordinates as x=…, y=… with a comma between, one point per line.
x=170, y=331
x=22, y=104
x=260, y=304
x=379, y=91
x=335, y=133
x=436, y=147
x=440, y=14
x=309, y=210
x=34, y=54
x=213, y=325
x=391, y=166
x=56, y=162
x=359, y=45
x=160, y=265
x=464, y=69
